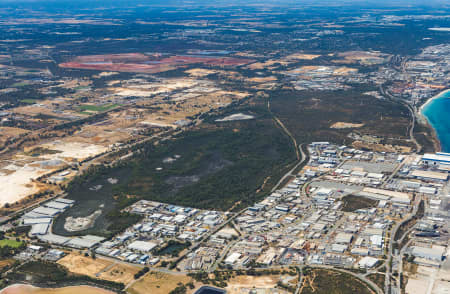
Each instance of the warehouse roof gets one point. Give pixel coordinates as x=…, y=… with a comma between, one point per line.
x=435, y=252
x=367, y=262
x=55, y=239
x=57, y=205
x=65, y=200
x=343, y=238
x=144, y=246
x=87, y=241
x=430, y=175
x=33, y=221
x=384, y=192
x=46, y=211
x=439, y=156
x=39, y=229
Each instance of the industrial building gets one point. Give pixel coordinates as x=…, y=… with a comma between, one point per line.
x=143, y=246
x=367, y=262
x=434, y=253
x=437, y=158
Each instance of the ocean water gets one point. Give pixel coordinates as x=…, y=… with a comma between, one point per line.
x=438, y=114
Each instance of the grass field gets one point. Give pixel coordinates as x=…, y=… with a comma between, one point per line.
x=10, y=243
x=28, y=101
x=19, y=84
x=97, y=108
x=352, y=203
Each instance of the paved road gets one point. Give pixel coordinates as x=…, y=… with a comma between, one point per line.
x=283, y=127
x=358, y=276
x=300, y=280
x=301, y=157
x=391, y=243
x=289, y=173
x=412, y=113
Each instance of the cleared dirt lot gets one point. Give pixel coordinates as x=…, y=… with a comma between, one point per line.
x=302, y=56
x=120, y=273
x=8, y=132
x=99, y=268
x=6, y=262
x=157, y=283
x=16, y=181
x=84, y=265
x=345, y=125
x=239, y=283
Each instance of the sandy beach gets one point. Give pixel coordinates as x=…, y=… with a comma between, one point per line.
x=424, y=120
x=430, y=100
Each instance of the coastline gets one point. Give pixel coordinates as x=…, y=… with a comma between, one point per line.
x=429, y=100
x=424, y=120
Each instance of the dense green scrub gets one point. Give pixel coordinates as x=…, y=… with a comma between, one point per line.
x=214, y=166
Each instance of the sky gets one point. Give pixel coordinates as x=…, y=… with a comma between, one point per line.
x=220, y=3
x=211, y=2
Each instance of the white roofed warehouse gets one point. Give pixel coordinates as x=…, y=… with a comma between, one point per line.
x=144, y=246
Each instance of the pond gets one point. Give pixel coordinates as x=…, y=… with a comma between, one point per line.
x=210, y=290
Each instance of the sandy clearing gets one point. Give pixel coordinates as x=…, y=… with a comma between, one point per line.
x=344, y=70
x=200, y=72
x=157, y=283
x=416, y=286
x=136, y=93
x=6, y=262
x=344, y=125
x=120, y=273
x=146, y=90
x=229, y=230
x=427, y=281
x=264, y=282
x=268, y=63
x=18, y=184
x=6, y=132
x=302, y=56
x=441, y=287
x=76, y=150
x=84, y=265
x=442, y=282
x=106, y=269
x=235, y=117
x=263, y=79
